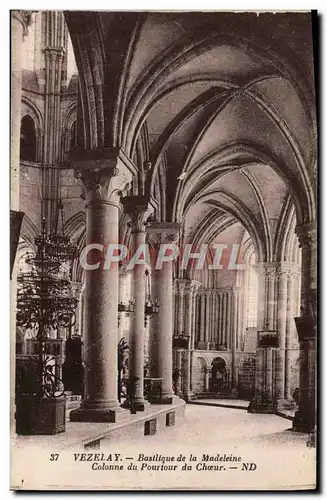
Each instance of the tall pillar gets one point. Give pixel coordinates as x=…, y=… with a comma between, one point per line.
x=228, y=319
x=20, y=20
x=290, y=326
x=139, y=209
x=234, y=334
x=207, y=320
x=161, y=341
x=207, y=378
x=55, y=34
x=305, y=417
x=267, y=351
x=190, y=290
x=266, y=354
x=180, y=301
x=282, y=280
x=104, y=175
x=201, y=344
x=193, y=332
x=270, y=278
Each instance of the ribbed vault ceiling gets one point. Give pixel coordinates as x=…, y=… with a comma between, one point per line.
x=226, y=102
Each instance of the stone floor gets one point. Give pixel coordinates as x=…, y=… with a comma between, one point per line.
x=281, y=459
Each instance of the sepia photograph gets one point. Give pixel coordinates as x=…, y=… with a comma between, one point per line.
x=163, y=250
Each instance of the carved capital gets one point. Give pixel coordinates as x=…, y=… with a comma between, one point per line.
x=104, y=176
x=164, y=232
x=139, y=209
x=191, y=286
x=307, y=235
x=181, y=285
x=267, y=269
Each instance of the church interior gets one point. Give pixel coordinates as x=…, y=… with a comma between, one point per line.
x=161, y=128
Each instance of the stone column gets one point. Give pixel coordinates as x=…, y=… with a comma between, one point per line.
x=290, y=327
x=270, y=279
x=282, y=279
x=180, y=310
x=194, y=312
x=20, y=20
x=139, y=209
x=104, y=175
x=161, y=342
x=228, y=319
x=207, y=320
x=305, y=417
x=121, y=298
x=267, y=303
x=266, y=354
x=202, y=344
x=207, y=378
x=190, y=290
x=234, y=334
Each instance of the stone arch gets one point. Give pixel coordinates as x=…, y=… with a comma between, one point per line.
x=31, y=109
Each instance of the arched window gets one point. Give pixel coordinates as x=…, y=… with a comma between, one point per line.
x=27, y=139
x=252, y=293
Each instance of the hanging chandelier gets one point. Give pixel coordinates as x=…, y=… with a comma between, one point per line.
x=45, y=301
x=150, y=307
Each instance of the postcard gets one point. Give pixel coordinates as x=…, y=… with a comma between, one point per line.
x=163, y=250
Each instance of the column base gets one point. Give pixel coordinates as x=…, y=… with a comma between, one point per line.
x=233, y=393
x=261, y=406
x=303, y=423
x=164, y=400
x=187, y=395
x=284, y=404
x=109, y=415
x=134, y=406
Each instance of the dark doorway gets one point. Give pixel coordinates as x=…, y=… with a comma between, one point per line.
x=219, y=378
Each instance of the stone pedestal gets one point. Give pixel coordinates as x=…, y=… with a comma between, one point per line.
x=104, y=175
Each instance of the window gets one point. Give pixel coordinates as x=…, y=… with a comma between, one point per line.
x=27, y=139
